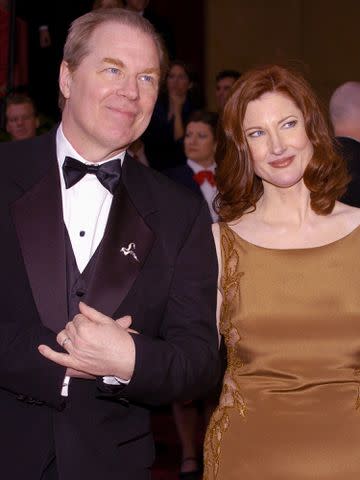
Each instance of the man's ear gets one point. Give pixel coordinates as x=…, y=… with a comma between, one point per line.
x=65, y=78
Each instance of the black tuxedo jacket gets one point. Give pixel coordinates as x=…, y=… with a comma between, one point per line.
x=185, y=175
x=170, y=294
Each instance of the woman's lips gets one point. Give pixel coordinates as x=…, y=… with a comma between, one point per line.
x=282, y=162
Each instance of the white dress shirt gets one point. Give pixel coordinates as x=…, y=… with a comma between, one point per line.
x=86, y=206
x=209, y=191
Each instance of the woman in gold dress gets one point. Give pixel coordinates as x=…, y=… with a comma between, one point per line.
x=289, y=291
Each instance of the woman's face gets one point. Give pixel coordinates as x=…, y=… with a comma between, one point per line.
x=199, y=143
x=275, y=132
x=178, y=82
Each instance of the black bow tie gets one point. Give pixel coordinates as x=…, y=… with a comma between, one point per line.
x=108, y=173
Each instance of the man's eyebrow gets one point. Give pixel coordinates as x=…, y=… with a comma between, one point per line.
x=152, y=70
x=119, y=63
x=113, y=61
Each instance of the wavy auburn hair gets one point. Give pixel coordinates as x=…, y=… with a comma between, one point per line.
x=239, y=187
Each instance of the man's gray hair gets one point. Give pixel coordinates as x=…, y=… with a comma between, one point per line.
x=77, y=43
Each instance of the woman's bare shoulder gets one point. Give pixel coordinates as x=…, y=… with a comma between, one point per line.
x=348, y=214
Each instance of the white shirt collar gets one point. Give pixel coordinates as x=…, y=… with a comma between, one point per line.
x=198, y=168
x=65, y=149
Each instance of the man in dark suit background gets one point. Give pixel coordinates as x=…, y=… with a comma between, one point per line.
x=48, y=22
x=80, y=220
x=142, y=7
x=345, y=117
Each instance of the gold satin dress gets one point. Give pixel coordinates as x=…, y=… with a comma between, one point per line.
x=290, y=404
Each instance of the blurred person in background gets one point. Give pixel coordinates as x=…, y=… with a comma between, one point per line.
x=160, y=22
x=107, y=4
x=137, y=6
x=21, y=117
x=20, y=45
x=48, y=24
x=225, y=79
x=345, y=117
x=198, y=173
x=164, y=136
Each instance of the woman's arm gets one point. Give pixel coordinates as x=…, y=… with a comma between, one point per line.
x=216, y=234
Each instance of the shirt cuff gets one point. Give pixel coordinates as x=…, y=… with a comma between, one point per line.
x=65, y=386
x=115, y=381
x=108, y=380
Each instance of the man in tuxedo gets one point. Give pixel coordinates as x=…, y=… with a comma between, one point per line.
x=81, y=221
x=345, y=116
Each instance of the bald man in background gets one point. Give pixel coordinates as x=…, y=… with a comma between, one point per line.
x=345, y=116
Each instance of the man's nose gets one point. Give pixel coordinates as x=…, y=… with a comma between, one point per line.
x=129, y=88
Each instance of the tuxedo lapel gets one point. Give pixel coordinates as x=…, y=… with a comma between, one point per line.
x=116, y=268
x=40, y=228
x=189, y=178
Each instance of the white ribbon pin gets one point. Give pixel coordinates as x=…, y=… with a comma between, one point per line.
x=130, y=250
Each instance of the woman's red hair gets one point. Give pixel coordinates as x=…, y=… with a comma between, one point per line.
x=239, y=188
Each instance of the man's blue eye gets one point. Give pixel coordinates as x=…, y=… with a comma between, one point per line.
x=147, y=78
x=113, y=70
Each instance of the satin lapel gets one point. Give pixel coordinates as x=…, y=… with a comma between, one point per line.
x=116, y=270
x=40, y=228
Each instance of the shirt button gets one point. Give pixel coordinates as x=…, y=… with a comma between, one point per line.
x=82, y=233
x=79, y=293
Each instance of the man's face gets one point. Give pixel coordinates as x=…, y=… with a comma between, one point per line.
x=111, y=95
x=21, y=121
x=222, y=91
